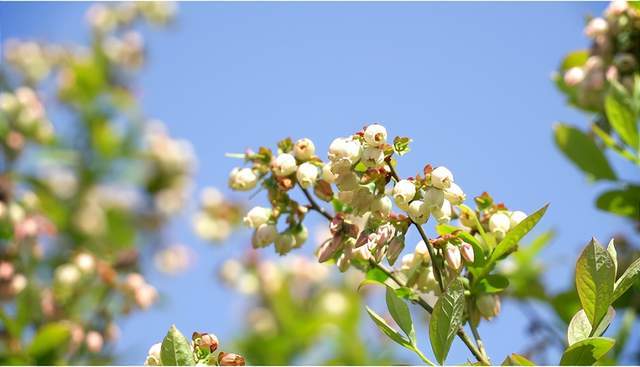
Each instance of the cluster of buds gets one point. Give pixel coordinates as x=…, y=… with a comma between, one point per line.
x=22, y=119
x=143, y=293
x=612, y=56
x=126, y=51
x=204, y=347
x=170, y=163
x=217, y=216
x=31, y=59
x=494, y=218
x=11, y=282
x=418, y=271
x=107, y=18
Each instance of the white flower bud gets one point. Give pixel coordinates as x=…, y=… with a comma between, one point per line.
x=433, y=198
x=304, y=149
x=85, y=262
x=441, y=177
x=67, y=274
x=264, y=235
x=596, y=27
x=403, y=192
x=153, y=355
x=373, y=157
x=284, y=242
x=443, y=213
x=454, y=194
x=307, y=174
x=345, y=148
x=418, y=211
x=347, y=182
x=516, y=217
x=499, y=224
x=574, y=76
x=452, y=255
x=617, y=7
x=284, y=165
x=382, y=206
x=343, y=263
x=422, y=251
x=375, y=135
x=94, y=341
x=488, y=305
x=242, y=179
x=467, y=252
x=427, y=282
x=145, y=296
x=257, y=216
x=327, y=174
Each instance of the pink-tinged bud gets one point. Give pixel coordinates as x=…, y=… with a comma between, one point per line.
x=343, y=262
x=596, y=27
x=395, y=248
x=574, y=76
x=94, y=341
x=488, y=305
x=230, y=359
x=452, y=255
x=617, y=7
x=467, y=252
x=6, y=270
x=329, y=248
x=207, y=342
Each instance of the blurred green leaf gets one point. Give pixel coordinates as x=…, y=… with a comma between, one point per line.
x=586, y=352
x=446, y=319
x=624, y=202
x=49, y=341
x=493, y=283
x=574, y=59
x=176, y=350
x=583, y=152
x=595, y=278
x=388, y=330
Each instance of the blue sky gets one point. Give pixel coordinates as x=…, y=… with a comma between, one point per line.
x=469, y=82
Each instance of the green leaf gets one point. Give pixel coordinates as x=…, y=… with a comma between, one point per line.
x=176, y=350
x=493, y=283
x=446, y=319
x=630, y=276
x=401, y=145
x=595, y=277
x=388, y=330
x=49, y=339
x=400, y=313
x=624, y=202
x=622, y=118
x=580, y=327
x=517, y=360
x=510, y=241
x=377, y=275
x=586, y=352
x=583, y=152
x=573, y=59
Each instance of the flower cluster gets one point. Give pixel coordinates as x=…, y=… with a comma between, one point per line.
x=217, y=216
x=22, y=119
x=612, y=56
x=202, y=350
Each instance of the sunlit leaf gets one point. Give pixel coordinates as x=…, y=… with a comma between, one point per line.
x=176, y=350
x=400, y=313
x=595, y=277
x=626, y=280
x=446, y=319
x=583, y=152
x=586, y=352
x=580, y=327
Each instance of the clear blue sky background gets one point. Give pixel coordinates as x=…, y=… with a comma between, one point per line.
x=470, y=82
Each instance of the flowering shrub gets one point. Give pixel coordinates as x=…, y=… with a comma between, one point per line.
x=76, y=205
x=457, y=266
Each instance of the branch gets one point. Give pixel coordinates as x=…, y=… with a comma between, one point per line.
x=420, y=301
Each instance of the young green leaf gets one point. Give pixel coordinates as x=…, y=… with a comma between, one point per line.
x=622, y=118
x=630, y=276
x=175, y=349
x=586, y=352
x=580, y=327
x=517, y=360
x=595, y=277
x=446, y=319
x=583, y=152
x=492, y=283
x=611, y=249
x=400, y=313
x=510, y=241
x=388, y=330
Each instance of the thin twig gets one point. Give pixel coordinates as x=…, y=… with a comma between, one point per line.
x=479, y=342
